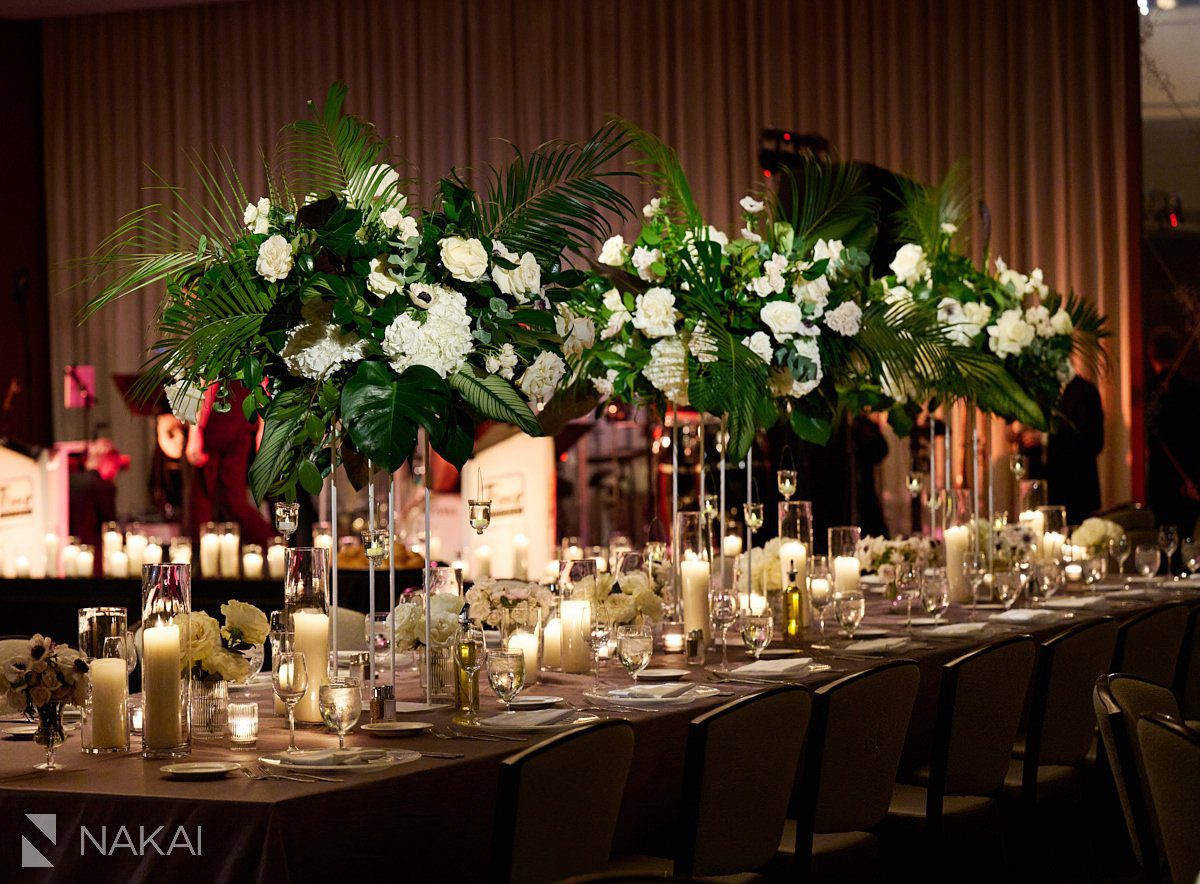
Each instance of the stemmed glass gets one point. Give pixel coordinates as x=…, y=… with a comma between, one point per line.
x=599, y=632
x=757, y=630
x=935, y=594
x=753, y=514
x=722, y=608
x=1168, y=542
x=289, y=677
x=975, y=573
x=849, y=607
x=506, y=675
x=908, y=585
x=1120, y=548
x=1146, y=559
x=1007, y=586
x=1190, y=552
x=469, y=644
x=914, y=483
x=1044, y=581
x=287, y=518
x=340, y=702
x=820, y=591
x=635, y=647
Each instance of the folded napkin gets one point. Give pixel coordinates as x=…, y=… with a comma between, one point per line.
x=1021, y=615
x=1074, y=602
x=950, y=630
x=532, y=718
x=774, y=667
x=876, y=645
x=333, y=756
x=1129, y=594
x=651, y=691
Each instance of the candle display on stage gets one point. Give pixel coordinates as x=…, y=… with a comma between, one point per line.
x=105, y=715
x=276, y=558
x=21, y=567
x=112, y=540
x=482, y=565
x=181, y=551
x=153, y=554
x=70, y=558
x=230, y=549
x=135, y=548
x=520, y=550
x=843, y=553
x=576, y=585
x=85, y=565
x=210, y=550
x=306, y=610
x=252, y=561
x=695, y=570
x=166, y=605
x=50, y=548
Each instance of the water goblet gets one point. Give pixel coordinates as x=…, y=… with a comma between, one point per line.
x=975, y=575
x=635, y=647
x=1146, y=559
x=289, y=677
x=599, y=632
x=820, y=588
x=506, y=675
x=722, y=608
x=849, y=607
x=935, y=594
x=1120, y=548
x=1007, y=587
x=1168, y=542
x=469, y=645
x=908, y=586
x=1044, y=582
x=757, y=631
x=340, y=702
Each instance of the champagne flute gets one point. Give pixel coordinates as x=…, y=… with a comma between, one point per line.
x=1146, y=559
x=935, y=595
x=849, y=608
x=820, y=591
x=1120, y=549
x=506, y=675
x=469, y=647
x=1168, y=542
x=289, y=677
x=908, y=586
x=757, y=631
x=635, y=647
x=975, y=573
x=599, y=632
x=340, y=703
x=722, y=608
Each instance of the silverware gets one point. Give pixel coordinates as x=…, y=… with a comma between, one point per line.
x=490, y=736
x=442, y=755
x=298, y=776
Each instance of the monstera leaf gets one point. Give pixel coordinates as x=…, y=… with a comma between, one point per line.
x=382, y=411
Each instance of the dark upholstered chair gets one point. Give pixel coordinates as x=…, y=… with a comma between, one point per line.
x=566, y=793
x=1148, y=644
x=1171, y=757
x=1187, y=675
x=1120, y=700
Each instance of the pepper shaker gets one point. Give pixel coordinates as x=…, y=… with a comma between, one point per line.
x=695, y=647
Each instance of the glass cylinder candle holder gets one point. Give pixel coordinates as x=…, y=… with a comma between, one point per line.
x=135, y=717
x=306, y=612
x=252, y=561
x=1054, y=533
x=287, y=517
x=276, y=558
x=105, y=719
x=843, y=558
x=673, y=637
x=958, y=539
x=96, y=625
x=479, y=514
x=795, y=539
x=210, y=550
x=166, y=606
x=180, y=552
x=552, y=636
x=695, y=573
x=576, y=585
x=230, y=548
x=243, y=725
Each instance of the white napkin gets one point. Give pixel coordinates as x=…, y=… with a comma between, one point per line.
x=1074, y=602
x=405, y=706
x=955, y=629
x=1021, y=615
x=332, y=756
x=876, y=645
x=652, y=691
x=532, y=718
x=774, y=667
x=1129, y=594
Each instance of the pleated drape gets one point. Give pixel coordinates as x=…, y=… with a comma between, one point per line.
x=1034, y=94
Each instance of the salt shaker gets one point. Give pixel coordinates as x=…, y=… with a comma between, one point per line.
x=695, y=647
x=383, y=703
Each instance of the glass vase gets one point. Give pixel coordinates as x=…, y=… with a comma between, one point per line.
x=795, y=546
x=105, y=710
x=521, y=630
x=210, y=708
x=166, y=609
x=50, y=734
x=576, y=587
x=695, y=573
x=441, y=664
x=306, y=612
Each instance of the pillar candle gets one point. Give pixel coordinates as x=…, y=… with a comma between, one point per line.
x=527, y=644
x=153, y=554
x=21, y=566
x=135, y=553
x=312, y=640
x=732, y=545
x=118, y=564
x=845, y=573
x=85, y=565
x=229, y=549
x=112, y=542
x=957, y=539
x=181, y=554
x=1052, y=546
x=70, y=560
x=793, y=556
x=51, y=547
x=252, y=565
x=552, y=643
x=818, y=590
x=695, y=577
x=520, y=568
x=755, y=602
x=210, y=554
x=601, y=565
x=275, y=560
x=162, y=683
x=482, y=566
x=576, y=624
x=110, y=693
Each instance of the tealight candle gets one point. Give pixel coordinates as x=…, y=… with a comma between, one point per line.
x=520, y=548
x=135, y=718
x=243, y=725
x=252, y=563
x=672, y=637
x=1073, y=572
x=21, y=566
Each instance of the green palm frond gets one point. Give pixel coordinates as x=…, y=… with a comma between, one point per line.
x=925, y=208
x=558, y=197
x=1091, y=328
x=660, y=167
x=827, y=200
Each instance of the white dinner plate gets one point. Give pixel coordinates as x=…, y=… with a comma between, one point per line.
x=534, y=729
x=397, y=728
x=697, y=692
x=394, y=757
x=200, y=770
x=662, y=674
x=535, y=701
x=404, y=707
x=28, y=731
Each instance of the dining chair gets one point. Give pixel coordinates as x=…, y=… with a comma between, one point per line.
x=1171, y=756
x=844, y=785
x=1149, y=643
x=953, y=803
x=557, y=804
x=1119, y=701
x=1187, y=674
x=739, y=768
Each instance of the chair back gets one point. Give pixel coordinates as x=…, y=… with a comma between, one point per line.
x=351, y=630
x=1061, y=720
x=1148, y=645
x=1187, y=677
x=557, y=804
x=853, y=750
x=1171, y=756
x=1120, y=700
x=979, y=712
x=738, y=773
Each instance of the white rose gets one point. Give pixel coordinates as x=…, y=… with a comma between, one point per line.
x=909, y=265
x=255, y=216
x=761, y=286
x=578, y=332
x=845, y=319
x=185, y=400
x=815, y=294
x=830, y=250
x=1061, y=322
x=898, y=294
x=750, y=205
x=1010, y=335
x=613, y=252
x=523, y=280
x=1036, y=285
x=618, y=315
x=540, y=380
x=977, y=314
x=651, y=208
x=760, y=345
x=381, y=281
x=503, y=362
x=654, y=314
x=643, y=261
x=465, y=259
x=783, y=318
x=773, y=269
x=1039, y=317
x=274, y=259
x=604, y=385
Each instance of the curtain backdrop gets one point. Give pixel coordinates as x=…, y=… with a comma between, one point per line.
x=1034, y=94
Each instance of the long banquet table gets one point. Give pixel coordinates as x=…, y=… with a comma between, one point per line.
x=430, y=819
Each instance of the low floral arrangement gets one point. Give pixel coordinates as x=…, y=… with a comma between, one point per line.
x=1014, y=542
x=490, y=600
x=215, y=652
x=409, y=620
x=1096, y=532
x=40, y=681
x=880, y=555
x=624, y=599
x=763, y=562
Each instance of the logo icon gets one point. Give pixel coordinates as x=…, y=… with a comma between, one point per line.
x=31, y=857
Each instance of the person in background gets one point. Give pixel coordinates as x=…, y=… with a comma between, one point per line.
x=93, y=491
x=220, y=446
x=1172, y=423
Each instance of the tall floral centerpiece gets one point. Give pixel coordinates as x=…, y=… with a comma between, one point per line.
x=39, y=683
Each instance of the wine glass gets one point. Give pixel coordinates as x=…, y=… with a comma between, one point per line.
x=506, y=675
x=1044, y=581
x=975, y=573
x=820, y=591
x=635, y=647
x=469, y=647
x=1120, y=548
x=1146, y=559
x=757, y=630
x=1190, y=551
x=908, y=586
x=935, y=594
x=340, y=703
x=722, y=608
x=849, y=607
x=1007, y=587
x=599, y=632
x=1168, y=542
x=289, y=677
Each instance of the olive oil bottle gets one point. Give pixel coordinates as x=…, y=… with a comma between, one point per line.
x=794, y=611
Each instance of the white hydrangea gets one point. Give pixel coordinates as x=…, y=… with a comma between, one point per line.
x=1010, y=335
x=909, y=265
x=317, y=348
x=274, y=259
x=617, y=317
x=701, y=343
x=845, y=319
x=613, y=252
x=643, y=261
x=783, y=318
x=667, y=369
x=654, y=313
x=523, y=280
x=442, y=342
x=760, y=345
x=814, y=293
x=604, y=386
x=540, y=380
x=502, y=362
x=255, y=216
